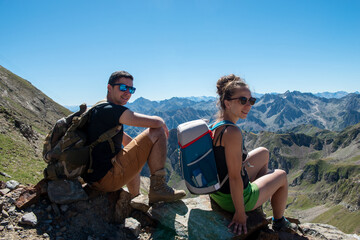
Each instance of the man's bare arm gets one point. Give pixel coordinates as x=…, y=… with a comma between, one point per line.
x=131, y=118
x=126, y=139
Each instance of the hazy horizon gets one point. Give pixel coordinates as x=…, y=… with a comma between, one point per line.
x=198, y=98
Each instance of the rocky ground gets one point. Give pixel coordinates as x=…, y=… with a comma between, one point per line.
x=26, y=214
x=67, y=210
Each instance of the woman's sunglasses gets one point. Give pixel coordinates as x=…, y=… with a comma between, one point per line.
x=124, y=87
x=244, y=100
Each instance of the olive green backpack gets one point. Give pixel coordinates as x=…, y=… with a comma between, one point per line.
x=66, y=149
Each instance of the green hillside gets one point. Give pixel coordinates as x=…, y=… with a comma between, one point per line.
x=26, y=116
x=19, y=159
x=323, y=172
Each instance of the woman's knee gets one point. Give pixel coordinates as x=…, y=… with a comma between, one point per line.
x=265, y=152
x=281, y=175
x=260, y=153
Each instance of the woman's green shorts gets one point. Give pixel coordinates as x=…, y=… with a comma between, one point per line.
x=251, y=195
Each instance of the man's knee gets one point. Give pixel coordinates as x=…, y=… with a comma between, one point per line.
x=156, y=134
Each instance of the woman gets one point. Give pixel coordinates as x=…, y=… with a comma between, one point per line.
x=249, y=184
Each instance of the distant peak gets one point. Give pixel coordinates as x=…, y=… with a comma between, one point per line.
x=142, y=99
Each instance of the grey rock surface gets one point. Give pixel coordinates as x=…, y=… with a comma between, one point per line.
x=66, y=191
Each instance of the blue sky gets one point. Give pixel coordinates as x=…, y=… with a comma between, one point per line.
x=68, y=49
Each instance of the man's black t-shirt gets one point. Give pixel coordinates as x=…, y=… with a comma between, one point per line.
x=103, y=118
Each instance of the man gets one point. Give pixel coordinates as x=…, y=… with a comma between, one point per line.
x=115, y=166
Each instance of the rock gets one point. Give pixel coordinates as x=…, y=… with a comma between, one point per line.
x=66, y=191
x=29, y=219
x=12, y=184
x=11, y=200
x=267, y=235
x=144, y=219
x=5, y=214
x=133, y=225
x=99, y=216
x=28, y=197
x=95, y=216
x=256, y=220
x=4, y=191
x=41, y=187
x=4, y=222
x=18, y=228
x=11, y=210
x=187, y=219
x=56, y=210
x=325, y=232
x=141, y=203
x=48, y=209
x=123, y=208
x=64, y=208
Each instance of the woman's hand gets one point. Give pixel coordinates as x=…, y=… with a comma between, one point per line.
x=239, y=223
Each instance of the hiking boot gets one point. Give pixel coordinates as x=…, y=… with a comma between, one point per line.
x=160, y=191
x=283, y=225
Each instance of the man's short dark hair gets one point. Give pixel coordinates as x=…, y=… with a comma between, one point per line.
x=119, y=74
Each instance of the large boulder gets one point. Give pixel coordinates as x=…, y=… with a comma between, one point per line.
x=199, y=218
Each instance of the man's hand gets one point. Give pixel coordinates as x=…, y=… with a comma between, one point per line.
x=166, y=130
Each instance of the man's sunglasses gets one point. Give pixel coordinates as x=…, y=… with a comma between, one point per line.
x=124, y=87
x=244, y=100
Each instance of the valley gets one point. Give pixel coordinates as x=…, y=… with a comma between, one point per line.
x=316, y=140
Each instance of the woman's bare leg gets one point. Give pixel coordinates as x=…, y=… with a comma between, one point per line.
x=273, y=186
x=259, y=159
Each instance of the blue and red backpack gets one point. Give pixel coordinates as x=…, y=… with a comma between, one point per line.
x=197, y=159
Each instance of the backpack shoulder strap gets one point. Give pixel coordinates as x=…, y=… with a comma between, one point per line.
x=221, y=123
x=99, y=103
x=221, y=135
x=106, y=136
x=227, y=123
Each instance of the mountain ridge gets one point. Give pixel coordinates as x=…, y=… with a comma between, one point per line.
x=338, y=94
x=272, y=112
x=26, y=116
x=306, y=152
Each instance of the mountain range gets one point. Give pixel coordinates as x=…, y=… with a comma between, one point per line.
x=272, y=112
x=316, y=140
